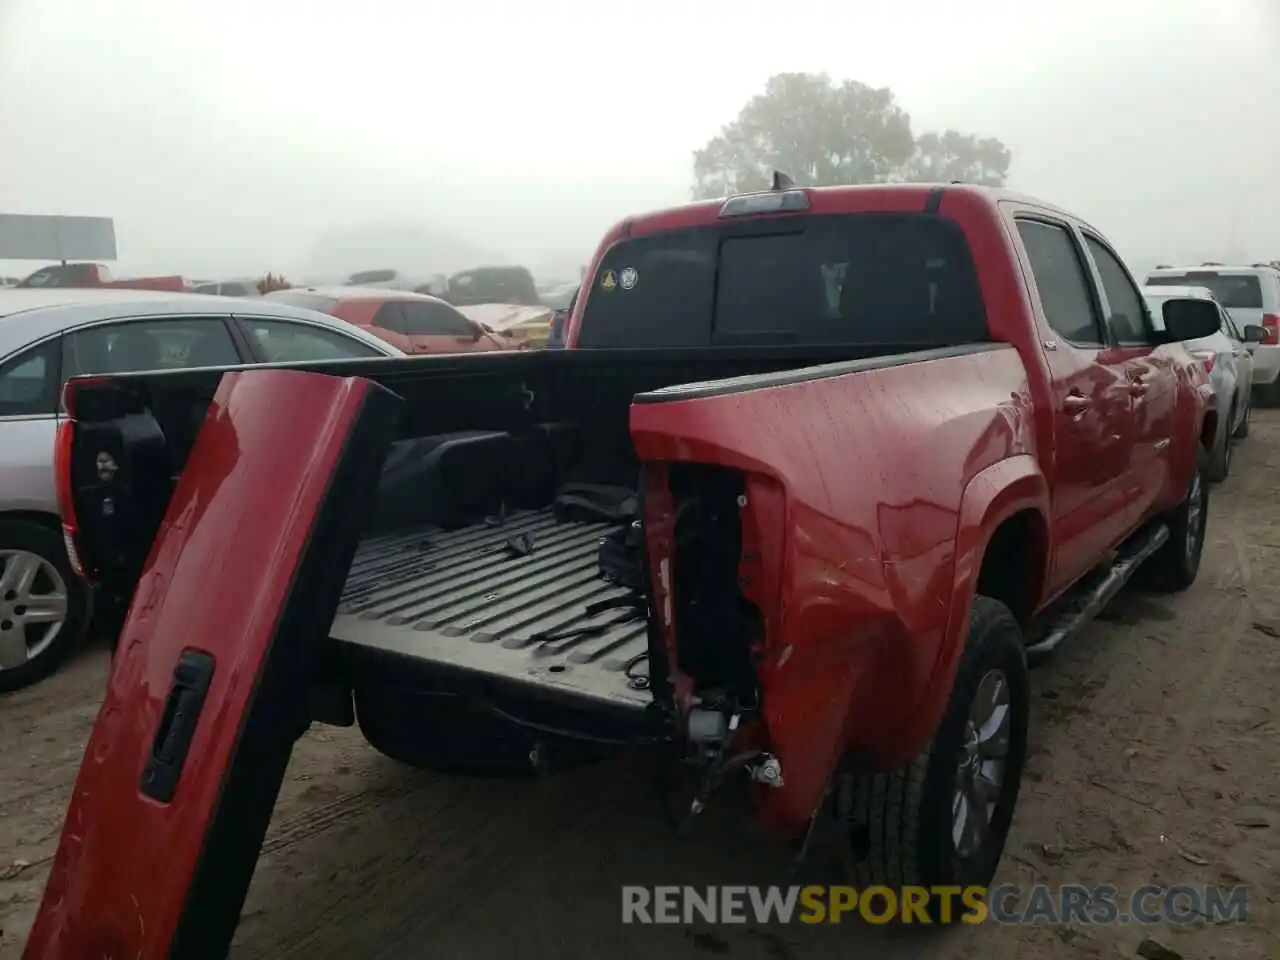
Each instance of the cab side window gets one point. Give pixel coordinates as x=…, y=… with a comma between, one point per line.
x=1062, y=282
x=434, y=319
x=1127, y=322
x=29, y=382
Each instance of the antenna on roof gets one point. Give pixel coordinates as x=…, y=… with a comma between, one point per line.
x=781, y=181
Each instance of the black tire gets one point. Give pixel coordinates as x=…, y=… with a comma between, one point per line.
x=902, y=821
x=1218, y=466
x=46, y=543
x=1175, y=565
x=1242, y=431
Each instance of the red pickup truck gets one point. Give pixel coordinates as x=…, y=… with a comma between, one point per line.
x=821, y=472
x=99, y=275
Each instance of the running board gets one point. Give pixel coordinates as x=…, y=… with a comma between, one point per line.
x=1090, y=601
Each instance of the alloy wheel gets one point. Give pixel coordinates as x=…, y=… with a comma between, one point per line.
x=33, y=606
x=980, y=769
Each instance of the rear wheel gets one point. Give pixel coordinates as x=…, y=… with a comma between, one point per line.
x=943, y=819
x=44, y=607
x=1175, y=565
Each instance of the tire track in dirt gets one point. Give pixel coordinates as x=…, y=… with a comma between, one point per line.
x=455, y=831
x=1203, y=698
x=332, y=815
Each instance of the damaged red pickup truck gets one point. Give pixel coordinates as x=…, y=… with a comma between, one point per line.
x=820, y=474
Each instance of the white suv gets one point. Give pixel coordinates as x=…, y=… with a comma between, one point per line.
x=1252, y=296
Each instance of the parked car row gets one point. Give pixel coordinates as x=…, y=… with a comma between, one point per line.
x=489, y=308
x=415, y=323
x=493, y=284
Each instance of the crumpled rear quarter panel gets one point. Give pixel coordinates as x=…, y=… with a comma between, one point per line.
x=873, y=466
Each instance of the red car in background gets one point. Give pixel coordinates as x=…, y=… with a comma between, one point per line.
x=98, y=275
x=414, y=322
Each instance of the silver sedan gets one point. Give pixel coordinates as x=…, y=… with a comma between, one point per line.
x=1228, y=355
x=50, y=335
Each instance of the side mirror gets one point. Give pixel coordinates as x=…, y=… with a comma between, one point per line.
x=477, y=331
x=1254, y=333
x=1190, y=319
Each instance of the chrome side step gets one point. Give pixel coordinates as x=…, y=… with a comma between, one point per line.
x=1099, y=590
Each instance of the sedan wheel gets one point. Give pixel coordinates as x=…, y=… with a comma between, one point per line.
x=33, y=606
x=44, y=607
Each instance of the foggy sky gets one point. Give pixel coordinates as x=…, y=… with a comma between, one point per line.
x=228, y=138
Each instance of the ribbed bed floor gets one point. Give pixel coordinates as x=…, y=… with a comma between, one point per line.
x=470, y=599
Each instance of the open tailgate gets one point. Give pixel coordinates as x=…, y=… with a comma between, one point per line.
x=209, y=687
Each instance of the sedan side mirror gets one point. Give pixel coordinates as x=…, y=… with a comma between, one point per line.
x=1186, y=318
x=1254, y=333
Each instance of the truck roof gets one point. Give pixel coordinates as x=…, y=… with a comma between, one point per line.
x=829, y=200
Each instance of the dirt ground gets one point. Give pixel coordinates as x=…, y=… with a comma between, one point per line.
x=1156, y=759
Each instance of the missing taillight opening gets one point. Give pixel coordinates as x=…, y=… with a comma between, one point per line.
x=718, y=626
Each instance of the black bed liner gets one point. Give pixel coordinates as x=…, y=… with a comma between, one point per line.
x=471, y=600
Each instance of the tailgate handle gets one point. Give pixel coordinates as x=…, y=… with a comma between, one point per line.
x=187, y=692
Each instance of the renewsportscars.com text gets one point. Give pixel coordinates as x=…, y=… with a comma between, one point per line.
x=1007, y=904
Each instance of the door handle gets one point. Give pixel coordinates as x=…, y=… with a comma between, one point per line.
x=1076, y=404
x=177, y=727
x=1137, y=388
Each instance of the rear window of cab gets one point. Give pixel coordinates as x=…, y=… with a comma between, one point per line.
x=852, y=279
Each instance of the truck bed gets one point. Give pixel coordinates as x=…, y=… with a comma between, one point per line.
x=464, y=599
